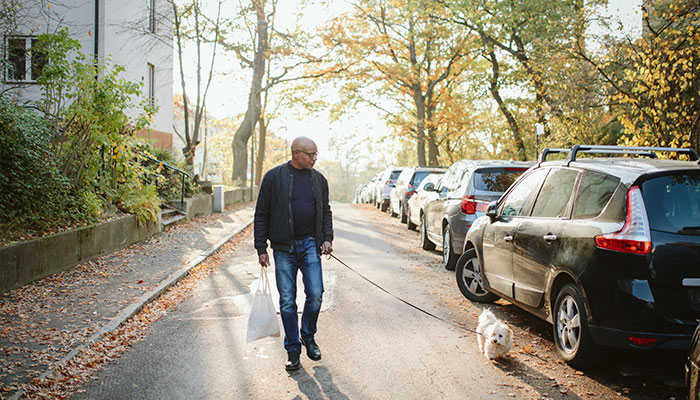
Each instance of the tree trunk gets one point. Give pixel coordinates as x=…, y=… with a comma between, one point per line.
x=262, y=131
x=419, y=101
x=514, y=127
x=433, y=151
x=244, y=131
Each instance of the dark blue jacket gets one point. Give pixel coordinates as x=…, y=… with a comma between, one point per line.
x=273, y=211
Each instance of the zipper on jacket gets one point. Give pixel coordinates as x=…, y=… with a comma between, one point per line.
x=289, y=204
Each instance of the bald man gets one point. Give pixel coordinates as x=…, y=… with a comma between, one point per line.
x=293, y=213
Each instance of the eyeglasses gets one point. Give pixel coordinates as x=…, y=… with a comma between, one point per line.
x=312, y=154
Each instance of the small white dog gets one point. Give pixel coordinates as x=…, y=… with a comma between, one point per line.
x=495, y=338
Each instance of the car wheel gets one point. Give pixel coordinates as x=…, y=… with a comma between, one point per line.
x=425, y=243
x=402, y=213
x=470, y=278
x=571, y=334
x=410, y=225
x=391, y=210
x=449, y=258
x=383, y=206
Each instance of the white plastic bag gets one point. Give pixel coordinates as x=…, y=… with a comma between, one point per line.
x=263, y=317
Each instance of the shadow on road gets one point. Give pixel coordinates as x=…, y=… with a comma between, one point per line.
x=320, y=383
x=545, y=386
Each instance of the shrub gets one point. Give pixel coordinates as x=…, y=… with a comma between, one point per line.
x=33, y=192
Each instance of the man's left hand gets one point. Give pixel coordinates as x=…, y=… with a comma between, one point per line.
x=326, y=248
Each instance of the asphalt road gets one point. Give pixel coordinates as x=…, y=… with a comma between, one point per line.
x=374, y=346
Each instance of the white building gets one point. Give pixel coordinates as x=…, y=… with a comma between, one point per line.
x=136, y=34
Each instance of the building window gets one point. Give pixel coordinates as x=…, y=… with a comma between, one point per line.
x=151, y=83
x=24, y=59
x=152, y=16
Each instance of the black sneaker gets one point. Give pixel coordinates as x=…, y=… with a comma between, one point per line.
x=312, y=349
x=292, y=363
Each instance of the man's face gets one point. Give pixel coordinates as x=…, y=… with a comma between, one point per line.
x=305, y=156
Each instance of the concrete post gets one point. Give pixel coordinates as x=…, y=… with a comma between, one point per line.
x=219, y=198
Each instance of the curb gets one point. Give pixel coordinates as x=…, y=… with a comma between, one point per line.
x=136, y=306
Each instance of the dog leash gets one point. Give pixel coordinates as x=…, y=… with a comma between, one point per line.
x=402, y=300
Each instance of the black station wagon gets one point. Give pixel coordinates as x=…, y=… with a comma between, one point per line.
x=606, y=249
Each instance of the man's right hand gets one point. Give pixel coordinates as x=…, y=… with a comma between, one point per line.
x=264, y=260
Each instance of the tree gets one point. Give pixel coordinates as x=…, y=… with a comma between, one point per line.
x=191, y=25
x=526, y=36
x=388, y=51
x=653, y=80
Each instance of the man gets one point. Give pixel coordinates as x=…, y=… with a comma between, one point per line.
x=293, y=213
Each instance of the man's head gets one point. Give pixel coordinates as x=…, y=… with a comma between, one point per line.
x=304, y=153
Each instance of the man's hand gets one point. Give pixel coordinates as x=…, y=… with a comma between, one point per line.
x=264, y=260
x=326, y=248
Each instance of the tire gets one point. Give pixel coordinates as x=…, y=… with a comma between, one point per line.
x=571, y=335
x=410, y=225
x=425, y=243
x=402, y=213
x=470, y=278
x=382, y=206
x=449, y=258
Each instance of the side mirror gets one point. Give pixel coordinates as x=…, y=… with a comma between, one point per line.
x=429, y=187
x=492, y=210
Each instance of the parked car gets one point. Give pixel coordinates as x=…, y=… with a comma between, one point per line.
x=357, y=196
x=605, y=249
x=463, y=194
x=405, y=187
x=414, y=210
x=386, y=182
x=692, y=367
x=372, y=188
x=365, y=194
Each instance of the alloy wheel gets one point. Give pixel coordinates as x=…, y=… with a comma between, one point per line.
x=568, y=325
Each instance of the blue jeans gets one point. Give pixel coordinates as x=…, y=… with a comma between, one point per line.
x=304, y=258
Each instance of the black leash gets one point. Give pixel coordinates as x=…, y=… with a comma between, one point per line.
x=402, y=300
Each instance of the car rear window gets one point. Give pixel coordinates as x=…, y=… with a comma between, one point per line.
x=673, y=203
x=496, y=179
x=395, y=174
x=594, y=193
x=419, y=176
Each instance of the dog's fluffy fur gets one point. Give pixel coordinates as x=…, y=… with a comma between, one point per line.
x=495, y=338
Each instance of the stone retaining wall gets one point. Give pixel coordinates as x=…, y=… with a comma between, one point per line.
x=24, y=262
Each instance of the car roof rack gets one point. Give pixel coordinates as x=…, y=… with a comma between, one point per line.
x=547, y=151
x=608, y=149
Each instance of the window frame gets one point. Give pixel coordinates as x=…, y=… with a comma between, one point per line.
x=28, y=77
x=151, y=83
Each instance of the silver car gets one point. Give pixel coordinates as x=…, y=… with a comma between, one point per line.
x=462, y=196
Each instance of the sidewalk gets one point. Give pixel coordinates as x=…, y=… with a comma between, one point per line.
x=44, y=322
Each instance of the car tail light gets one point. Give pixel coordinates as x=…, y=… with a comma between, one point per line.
x=470, y=205
x=642, y=342
x=410, y=190
x=634, y=237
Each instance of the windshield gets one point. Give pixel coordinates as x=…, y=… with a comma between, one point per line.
x=496, y=179
x=673, y=203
